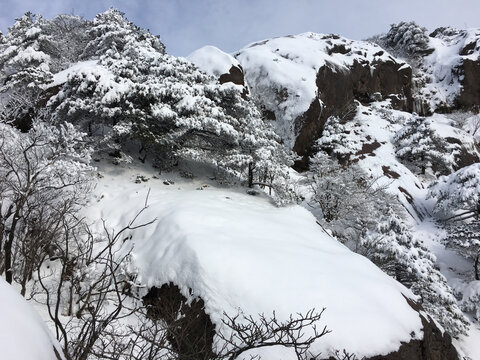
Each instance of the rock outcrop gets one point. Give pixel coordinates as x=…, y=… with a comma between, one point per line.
x=448, y=78
x=300, y=81
x=191, y=330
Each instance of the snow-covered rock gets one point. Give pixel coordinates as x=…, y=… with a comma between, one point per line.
x=449, y=76
x=23, y=335
x=219, y=64
x=239, y=252
x=301, y=80
x=212, y=60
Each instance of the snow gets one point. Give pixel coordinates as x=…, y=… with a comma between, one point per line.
x=282, y=71
x=23, y=336
x=212, y=60
x=239, y=252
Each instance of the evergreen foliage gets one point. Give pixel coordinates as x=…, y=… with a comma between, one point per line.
x=419, y=147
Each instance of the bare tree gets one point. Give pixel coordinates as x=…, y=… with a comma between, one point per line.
x=44, y=176
x=247, y=334
x=85, y=283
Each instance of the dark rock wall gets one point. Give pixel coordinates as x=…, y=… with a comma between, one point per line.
x=470, y=94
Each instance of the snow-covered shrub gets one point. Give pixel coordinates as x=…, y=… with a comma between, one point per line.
x=394, y=249
x=419, y=147
x=470, y=298
x=335, y=139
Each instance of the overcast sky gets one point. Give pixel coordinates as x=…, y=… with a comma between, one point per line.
x=186, y=25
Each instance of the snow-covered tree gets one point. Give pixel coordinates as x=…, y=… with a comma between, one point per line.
x=335, y=140
x=457, y=195
x=419, y=147
x=458, y=204
x=464, y=237
x=171, y=109
x=64, y=39
x=112, y=32
x=392, y=247
x=347, y=200
x=44, y=179
x=407, y=39
x=24, y=69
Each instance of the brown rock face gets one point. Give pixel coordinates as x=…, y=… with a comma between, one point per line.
x=338, y=88
x=190, y=330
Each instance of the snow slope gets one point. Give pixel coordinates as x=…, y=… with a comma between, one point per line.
x=23, y=336
x=239, y=252
x=282, y=71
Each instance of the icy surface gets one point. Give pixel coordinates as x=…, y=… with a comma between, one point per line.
x=239, y=252
x=23, y=336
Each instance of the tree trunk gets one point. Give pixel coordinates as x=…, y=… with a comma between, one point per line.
x=8, y=248
x=477, y=275
x=250, y=175
x=8, y=261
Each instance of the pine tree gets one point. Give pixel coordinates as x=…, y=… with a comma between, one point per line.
x=347, y=200
x=419, y=147
x=24, y=69
x=407, y=39
x=457, y=195
x=392, y=247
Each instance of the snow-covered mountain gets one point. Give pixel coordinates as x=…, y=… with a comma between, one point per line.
x=196, y=224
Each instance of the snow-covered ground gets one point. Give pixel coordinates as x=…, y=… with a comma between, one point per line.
x=241, y=253
x=376, y=125
x=442, y=80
